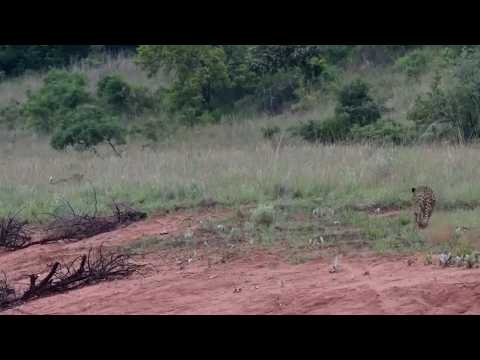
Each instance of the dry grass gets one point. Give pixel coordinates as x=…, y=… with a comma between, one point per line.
x=226, y=164
x=231, y=162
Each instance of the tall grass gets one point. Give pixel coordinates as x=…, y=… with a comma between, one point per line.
x=230, y=161
x=224, y=165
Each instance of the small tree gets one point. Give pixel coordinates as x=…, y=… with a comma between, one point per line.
x=355, y=104
x=61, y=93
x=115, y=92
x=200, y=74
x=452, y=111
x=88, y=127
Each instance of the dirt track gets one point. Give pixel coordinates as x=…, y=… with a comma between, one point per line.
x=257, y=283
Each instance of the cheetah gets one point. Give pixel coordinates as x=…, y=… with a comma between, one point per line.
x=424, y=201
x=76, y=178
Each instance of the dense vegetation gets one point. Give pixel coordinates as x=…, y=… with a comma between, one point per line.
x=16, y=59
x=209, y=84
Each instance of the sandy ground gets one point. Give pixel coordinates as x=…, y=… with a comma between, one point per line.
x=257, y=282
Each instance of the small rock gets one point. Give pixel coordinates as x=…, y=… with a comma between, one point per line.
x=366, y=273
x=336, y=266
x=444, y=259
x=458, y=261
x=333, y=270
x=237, y=290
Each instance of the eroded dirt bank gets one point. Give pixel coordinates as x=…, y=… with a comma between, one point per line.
x=253, y=282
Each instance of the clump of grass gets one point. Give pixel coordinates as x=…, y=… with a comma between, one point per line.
x=144, y=244
x=263, y=216
x=387, y=234
x=151, y=243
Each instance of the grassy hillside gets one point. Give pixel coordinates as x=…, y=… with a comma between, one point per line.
x=230, y=161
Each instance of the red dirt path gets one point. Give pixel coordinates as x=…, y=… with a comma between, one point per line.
x=260, y=283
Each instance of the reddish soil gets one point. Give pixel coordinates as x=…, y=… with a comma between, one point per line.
x=257, y=282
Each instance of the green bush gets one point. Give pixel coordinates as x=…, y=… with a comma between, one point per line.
x=200, y=71
x=414, y=63
x=219, y=77
x=384, y=132
x=16, y=59
x=356, y=105
x=263, y=216
x=328, y=131
x=120, y=97
x=62, y=92
x=278, y=90
x=452, y=111
x=12, y=116
x=141, y=100
x=87, y=127
x=114, y=92
x=310, y=60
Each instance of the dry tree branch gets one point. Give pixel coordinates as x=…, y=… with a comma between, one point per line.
x=6, y=292
x=13, y=233
x=94, y=267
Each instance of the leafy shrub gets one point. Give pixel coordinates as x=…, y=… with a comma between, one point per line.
x=310, y=60
x=121, y=97
x=356, y=105
x=414, y=63
x=263, y=216
x=378, y=54
x=16, y=59
x=115, y=92
x=141, y=100
x=62, y=92
x=327, y=131
x=218, y=77
x=452, y=111
x=87, y=127
x=200, y=71
x=383, y=131
x=277, y=90
x=12, y=116
x=270, y=132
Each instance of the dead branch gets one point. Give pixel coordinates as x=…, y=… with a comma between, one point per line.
x=79, y=227
x=7, y=293
x=13, y=233
x=92, y=268
x=72, y=226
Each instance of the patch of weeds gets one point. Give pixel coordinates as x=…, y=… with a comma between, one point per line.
x=386, y=233
x=143, y=245
x=236, y=235
x=263, y=216
x=264, y=235
x=457, y=246
x=298, y=258
x=404, y=220
x=151, y=243
x=428, y=259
